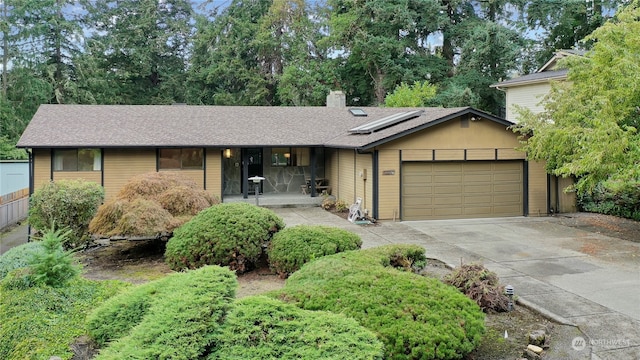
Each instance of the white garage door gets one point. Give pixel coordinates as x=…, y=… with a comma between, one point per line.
x=455, y=190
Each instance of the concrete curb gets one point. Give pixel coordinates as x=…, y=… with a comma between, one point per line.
x=544, y=312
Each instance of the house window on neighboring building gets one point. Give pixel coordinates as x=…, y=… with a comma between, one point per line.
x=77, y=160
x=185, y=158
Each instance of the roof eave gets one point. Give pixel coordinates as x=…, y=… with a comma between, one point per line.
x=528, y=82
x=439, y=121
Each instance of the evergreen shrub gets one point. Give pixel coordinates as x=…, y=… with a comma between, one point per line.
x=38, y=322
x=292, y=247
x=414, y=316
x=263, y=328
x=67, y=204
x=19, y=257
x=618, y=198
x=174, y=317
x=231, y=234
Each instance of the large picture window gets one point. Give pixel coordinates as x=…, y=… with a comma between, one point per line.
x=77, y=160
x=185, y=158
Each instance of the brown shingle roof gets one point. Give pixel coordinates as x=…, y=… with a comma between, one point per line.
x=223, y=126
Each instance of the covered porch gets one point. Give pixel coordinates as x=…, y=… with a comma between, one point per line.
x=277, y=200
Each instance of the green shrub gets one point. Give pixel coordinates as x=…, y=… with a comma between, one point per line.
x=414, y=316
x=341, y=206
x=19, y=257
x=292, y=247
x=171, y=318
x=328, y=204
x=618, y=198
x=231, y=234
x=42, y=321
x=480, y=285
x=264, y=328
x=66, y=204
x=54, y=266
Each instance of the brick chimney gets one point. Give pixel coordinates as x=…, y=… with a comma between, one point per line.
x=336, y=99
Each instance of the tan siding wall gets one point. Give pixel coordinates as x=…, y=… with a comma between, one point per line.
x=122, y=164
x=346, y=170
x=364, y=180
x=389, y=185
x=483, y=134
x=331, y=170
x=42, y=167
x=527, y=96
x=566, y=201
x=95, y=176
x=537, y=189
x=214, y=172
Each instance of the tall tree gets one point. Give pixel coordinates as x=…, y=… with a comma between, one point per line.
x=224, y=67
x=562, y=24
x=382, y=41
x=139, y=49
x=589, y=128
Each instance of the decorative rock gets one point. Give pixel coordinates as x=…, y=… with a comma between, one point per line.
x=530, y=355
x=537, y=337
x=55, y=358
x=535, y=349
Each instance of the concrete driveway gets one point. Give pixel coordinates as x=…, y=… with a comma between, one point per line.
x=577, y=277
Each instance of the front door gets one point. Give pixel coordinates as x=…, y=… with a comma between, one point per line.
x=254, y=165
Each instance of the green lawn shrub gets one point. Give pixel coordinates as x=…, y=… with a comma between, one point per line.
x=174, y=317
x=414, y=316
x=19, y=257
x=291, y=248
x=231, y=234
x=480, y=285
x=151, y=204
x=613, y=197
x=54, y=266
x=263, y=328
x=42, y=321
x=66, y=204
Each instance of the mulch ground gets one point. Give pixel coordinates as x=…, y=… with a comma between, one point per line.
x=608, y=225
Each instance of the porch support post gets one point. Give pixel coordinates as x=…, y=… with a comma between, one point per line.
x=312, y=155
x=245, y=172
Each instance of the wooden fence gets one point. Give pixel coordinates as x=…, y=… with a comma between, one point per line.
x=14, y=207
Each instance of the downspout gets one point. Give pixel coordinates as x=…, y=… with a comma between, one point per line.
x=31, y=187
x=375, y=186
x=549, y=208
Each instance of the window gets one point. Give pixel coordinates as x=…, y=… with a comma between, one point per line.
x=186, y=158
x=77, y=160
x=280, y=156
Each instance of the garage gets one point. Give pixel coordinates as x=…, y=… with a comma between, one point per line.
x=463, y=189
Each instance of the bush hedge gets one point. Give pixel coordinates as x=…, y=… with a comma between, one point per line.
x=42, y=321
x=171, y=318
x=619, y=198
x=292, y=247
x=231, y=234
x=414, y=316
x=151, y=204
x=66, y=204
x=19, y=257
x=264, y=328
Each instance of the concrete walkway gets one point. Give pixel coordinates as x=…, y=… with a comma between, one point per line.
x=576, y=277
x=13, y=237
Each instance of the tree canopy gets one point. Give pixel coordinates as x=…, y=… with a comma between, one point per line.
x=589, y=128
x=275, y=52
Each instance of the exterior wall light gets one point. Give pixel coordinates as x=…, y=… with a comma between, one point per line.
x=227, y=153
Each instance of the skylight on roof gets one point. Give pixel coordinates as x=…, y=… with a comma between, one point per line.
x=385, y=122
x=357, y=112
